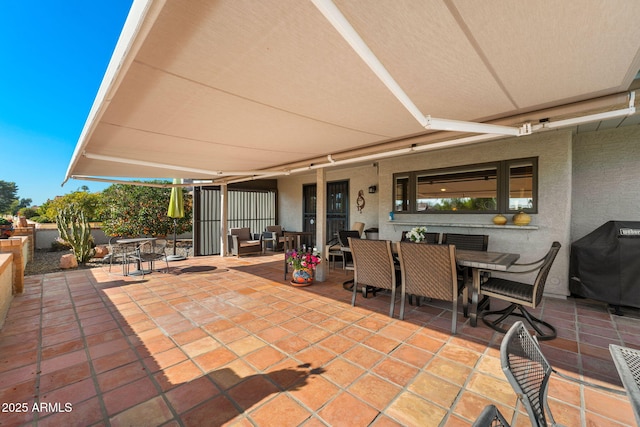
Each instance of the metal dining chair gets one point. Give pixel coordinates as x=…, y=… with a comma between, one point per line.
x=528, y=372
x=150, y=252
x=521, y=295
x=490, y=417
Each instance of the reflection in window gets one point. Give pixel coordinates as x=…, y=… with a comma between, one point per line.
x=463, y=191
x=521, y=185
x=401, y=194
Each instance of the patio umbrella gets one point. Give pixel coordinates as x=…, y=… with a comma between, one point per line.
x=175, y=211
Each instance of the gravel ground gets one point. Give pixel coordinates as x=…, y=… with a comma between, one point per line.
x=46, y=261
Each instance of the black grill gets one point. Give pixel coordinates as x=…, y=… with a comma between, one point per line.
x=605, y=264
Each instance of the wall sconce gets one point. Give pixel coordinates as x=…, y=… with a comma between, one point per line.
x=372, y=189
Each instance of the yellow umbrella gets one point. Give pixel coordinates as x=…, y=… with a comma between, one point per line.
x=175, y=211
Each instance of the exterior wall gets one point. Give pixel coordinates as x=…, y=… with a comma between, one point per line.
x=554, y=192
x=360, y=178
x=6, y=285
x=606, y=177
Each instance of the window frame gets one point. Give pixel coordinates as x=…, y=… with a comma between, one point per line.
x=502, y=167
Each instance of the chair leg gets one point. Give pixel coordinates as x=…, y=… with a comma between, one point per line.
x=523, y=313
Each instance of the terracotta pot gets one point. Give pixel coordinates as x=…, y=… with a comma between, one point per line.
x=302, y=277
x=521, y=218
x=500, y=219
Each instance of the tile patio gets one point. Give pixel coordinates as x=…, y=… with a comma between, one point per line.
x=228, y=342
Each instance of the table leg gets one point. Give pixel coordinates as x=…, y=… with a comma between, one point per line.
x=475, y=290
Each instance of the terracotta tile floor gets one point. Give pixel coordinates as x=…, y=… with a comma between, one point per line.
x=228, y=342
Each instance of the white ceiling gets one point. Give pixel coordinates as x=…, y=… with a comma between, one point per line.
x=204, y=89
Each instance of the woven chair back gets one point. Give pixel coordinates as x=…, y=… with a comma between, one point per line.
x=429, y=270
x=373, y=263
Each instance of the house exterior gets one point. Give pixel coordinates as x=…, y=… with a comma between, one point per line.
x=585, y=179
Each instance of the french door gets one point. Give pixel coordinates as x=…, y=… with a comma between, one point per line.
x=337, y=208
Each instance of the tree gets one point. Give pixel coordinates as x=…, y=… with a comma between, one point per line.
x=89, y=203
x=135, y=210
x=8, y=194
x=19, y=204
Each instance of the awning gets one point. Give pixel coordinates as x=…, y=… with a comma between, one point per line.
x=229, y=90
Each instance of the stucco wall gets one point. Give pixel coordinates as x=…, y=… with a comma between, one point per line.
x=554, y=191
x=606, y=171
x=360, y=178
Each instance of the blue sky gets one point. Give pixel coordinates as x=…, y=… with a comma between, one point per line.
x=53, y=55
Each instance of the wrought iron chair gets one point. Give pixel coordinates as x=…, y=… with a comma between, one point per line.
x=117, y=255
x=150, y=252
x=430, y=271
x=528, y=372
x=521, y=295
x=373, y=267
x=490, y=417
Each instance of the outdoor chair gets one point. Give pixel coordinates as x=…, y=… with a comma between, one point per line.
x=150, y=252
x=373, y=267
x=343, y=239
x=431, y=238
x=274, y=234
x=117, y=255
x=467, y=242
x=430, y=271
x=520, y=295
x=242, y=242
x=490, y=417
x=528, y=372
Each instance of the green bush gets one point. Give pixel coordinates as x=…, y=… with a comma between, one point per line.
x=28, y=212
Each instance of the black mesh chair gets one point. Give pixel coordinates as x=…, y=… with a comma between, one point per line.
x=343, y=239
x=467, y=242
x=490, y=417
x=528, y=372
x=520, y=295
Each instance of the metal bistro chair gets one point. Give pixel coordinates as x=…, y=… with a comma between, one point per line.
x=117, y=255
x=374, y=267
x=430, y=271
x=490, y=417
x=528, y=372
x=521, y=295
x=150, y=252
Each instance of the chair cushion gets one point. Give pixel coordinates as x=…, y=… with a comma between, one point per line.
x=242, y=233
x=509, y=288
x=247, y=243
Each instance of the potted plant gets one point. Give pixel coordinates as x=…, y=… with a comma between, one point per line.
x=417, y=234
x=303, y=264
x=6, y=228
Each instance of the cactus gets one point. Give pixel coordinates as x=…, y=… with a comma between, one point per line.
x=74, y=228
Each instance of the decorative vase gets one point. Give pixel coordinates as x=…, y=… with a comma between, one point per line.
x=302, y=277
x=521, y=218
x=499, y=219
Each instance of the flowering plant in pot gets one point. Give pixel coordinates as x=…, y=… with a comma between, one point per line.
x=303, y=264
x=417, y=234
x=6, y=228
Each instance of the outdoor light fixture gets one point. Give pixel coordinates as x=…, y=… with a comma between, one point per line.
x=372, y=189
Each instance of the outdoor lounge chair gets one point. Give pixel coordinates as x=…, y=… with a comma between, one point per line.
x=242, y=242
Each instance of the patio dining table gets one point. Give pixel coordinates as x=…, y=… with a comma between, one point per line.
x=627, y=361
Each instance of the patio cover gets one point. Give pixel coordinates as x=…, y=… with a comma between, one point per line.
x=233, y=89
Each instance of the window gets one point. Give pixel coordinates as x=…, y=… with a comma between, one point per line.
x=506, y=186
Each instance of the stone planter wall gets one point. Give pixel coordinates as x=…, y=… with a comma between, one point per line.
x=19, y=247
x=6, y=285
